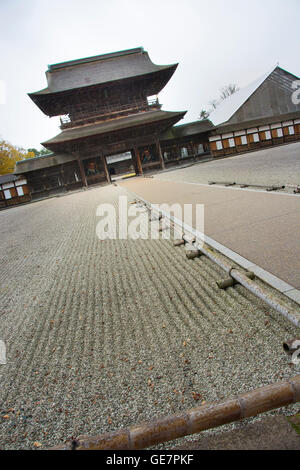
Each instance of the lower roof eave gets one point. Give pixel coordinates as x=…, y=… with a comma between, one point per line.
x=190, y=129
x=40, y=163
x=114, y=125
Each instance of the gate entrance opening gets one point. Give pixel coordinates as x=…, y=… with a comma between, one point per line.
x=120, y=165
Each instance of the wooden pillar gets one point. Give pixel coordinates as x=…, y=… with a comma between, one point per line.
x=195, y=150
x=161, y=158
x=63, y=175
x=138, y=160
x=83, y=177
x=105, y=168
x=178, y=152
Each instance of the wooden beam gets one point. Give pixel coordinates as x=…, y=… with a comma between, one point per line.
x=105, y=168
x=63, y=175
x=138, y=160
x=161, y=158
x=83, y=177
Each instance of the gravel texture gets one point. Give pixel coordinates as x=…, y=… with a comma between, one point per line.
x=106, y=334
x=273, y=166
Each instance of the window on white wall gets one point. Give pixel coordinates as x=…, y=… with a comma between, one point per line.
x=219, y=145
x=8, y=185
x=20, y=191
x=244, y=140
x=268, y=135
x=231, y=143
x=291, y=130
x=7, y=194
x=279, y=133
x=20, y=182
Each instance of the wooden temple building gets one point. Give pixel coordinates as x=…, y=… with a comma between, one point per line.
x=112, y=121
x=108, y=106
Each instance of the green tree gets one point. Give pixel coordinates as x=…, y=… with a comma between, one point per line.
x=39, y=153
x=9, y=155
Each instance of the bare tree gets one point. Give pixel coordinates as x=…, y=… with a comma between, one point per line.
x=213, y=104
x=225, y=92
x=203, y=114
x=228, y=90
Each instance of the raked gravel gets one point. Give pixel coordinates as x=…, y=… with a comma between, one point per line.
x=106, y=334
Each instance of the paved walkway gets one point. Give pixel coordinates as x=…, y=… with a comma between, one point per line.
x=271, y=166
x=261, y=227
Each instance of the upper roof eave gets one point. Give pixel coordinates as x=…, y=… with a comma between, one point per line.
x=159, y=68
x=84, y=60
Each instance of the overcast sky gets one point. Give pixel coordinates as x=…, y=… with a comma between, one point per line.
x=216, y=42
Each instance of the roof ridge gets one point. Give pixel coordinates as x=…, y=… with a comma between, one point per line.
x=36, y=157
x=193, y=122
x=95, y=58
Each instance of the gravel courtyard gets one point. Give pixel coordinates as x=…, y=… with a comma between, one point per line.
x=106, y=334
x=273, y=166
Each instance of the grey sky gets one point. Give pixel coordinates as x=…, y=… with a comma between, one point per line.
x=215, y=42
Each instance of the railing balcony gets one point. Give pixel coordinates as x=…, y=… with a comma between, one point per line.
x=108, y=112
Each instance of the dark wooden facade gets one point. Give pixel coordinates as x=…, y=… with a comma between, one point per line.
x=50, y=174
x=255, y=138
x=187, y=142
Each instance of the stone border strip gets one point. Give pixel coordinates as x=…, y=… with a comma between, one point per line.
x=236, y=188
